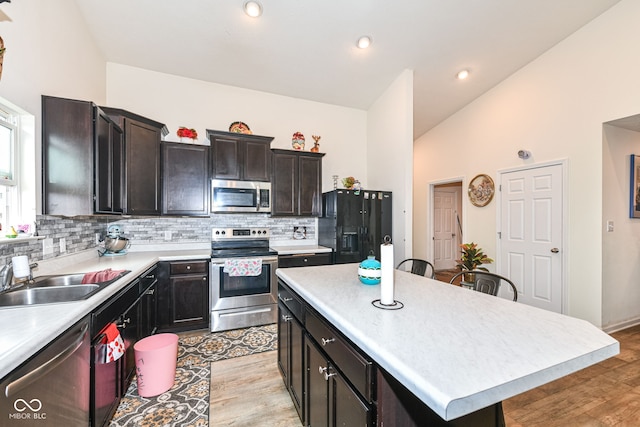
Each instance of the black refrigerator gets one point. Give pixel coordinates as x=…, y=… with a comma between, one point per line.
x=354, y=224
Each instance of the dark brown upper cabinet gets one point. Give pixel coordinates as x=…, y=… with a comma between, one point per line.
x=142, y=138
x=185, y=179
x=109, y=166
x=75, y=136
x=296, y=183
x=236, y=156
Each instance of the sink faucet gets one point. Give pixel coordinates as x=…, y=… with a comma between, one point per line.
x=6, y=276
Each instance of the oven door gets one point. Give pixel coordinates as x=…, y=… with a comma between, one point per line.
x=243, y=291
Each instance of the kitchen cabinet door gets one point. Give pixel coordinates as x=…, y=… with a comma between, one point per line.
x=67, y=156
x=309, y=185
x=109, y=165
x=241, y=157
x=142, y=137
x=296, y=183
x=290, y=356
x=183, y=295
x=317, y=387
x=185, y=179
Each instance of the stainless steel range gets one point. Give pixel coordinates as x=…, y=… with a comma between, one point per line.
x=243, y=282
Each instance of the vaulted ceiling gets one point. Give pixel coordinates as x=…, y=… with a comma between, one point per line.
x=307, y=49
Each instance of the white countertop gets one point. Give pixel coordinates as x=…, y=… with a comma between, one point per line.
x=293, y=249
x=27, y=329
x=457, y=350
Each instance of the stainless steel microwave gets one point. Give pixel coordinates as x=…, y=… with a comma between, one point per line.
x=240, y=196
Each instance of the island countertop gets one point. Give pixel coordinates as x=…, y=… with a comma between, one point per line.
x=457, y=350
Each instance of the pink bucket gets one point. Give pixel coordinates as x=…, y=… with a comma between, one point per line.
x=156, y=358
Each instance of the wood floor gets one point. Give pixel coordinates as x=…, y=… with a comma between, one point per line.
x=249, y=391
x=606, y=394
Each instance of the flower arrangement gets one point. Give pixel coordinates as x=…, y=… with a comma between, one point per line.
x=348, y=182
x=184, y=132
x=472, y=257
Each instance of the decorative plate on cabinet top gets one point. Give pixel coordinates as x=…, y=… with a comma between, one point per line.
x=240, y=127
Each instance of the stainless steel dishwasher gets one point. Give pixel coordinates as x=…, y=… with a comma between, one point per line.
x=52, y=388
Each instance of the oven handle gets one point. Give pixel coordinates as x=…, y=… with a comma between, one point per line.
x=219, y=262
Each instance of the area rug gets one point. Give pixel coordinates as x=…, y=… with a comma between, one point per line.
x=249, y=391
x=186, y=404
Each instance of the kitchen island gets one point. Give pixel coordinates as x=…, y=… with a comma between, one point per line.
x=455, y=350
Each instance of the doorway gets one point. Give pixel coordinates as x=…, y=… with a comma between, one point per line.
x=531, y=243
x=447, y=224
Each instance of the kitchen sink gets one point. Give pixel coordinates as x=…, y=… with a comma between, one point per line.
x=48, y=295
x=62, y=281
x=53, y=289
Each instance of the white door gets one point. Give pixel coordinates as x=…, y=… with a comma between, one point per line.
x=445, y=236
x=531, y=234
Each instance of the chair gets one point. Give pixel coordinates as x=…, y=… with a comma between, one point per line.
x=486, y=282
x=419, y=267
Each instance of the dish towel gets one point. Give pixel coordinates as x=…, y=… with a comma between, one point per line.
x=102, y=276
x=114, y=343
x=243, y=267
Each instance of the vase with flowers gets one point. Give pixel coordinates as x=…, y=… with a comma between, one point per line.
x=471, y=258
x=185, y=134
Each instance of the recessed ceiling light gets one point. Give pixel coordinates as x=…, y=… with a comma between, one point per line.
x=253, y=9
x=462, y=74
x=364, y=42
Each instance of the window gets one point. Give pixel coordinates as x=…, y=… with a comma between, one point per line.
x=8, y=176
x=17, y=166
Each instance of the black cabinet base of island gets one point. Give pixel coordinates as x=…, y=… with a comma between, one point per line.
x=333, y=383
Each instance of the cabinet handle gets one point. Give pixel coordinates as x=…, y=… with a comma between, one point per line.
x=204, y=278
x=150, y=292
x=325, y=371
x=188, y=267
x=285, y=299
x=286, y=318
x=150, y=276
x=123, y=323
x=327, y=341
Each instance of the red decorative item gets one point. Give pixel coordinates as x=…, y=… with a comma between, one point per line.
x=297, y=141
x=187, y=133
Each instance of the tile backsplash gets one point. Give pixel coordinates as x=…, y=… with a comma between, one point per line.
x=79, y=233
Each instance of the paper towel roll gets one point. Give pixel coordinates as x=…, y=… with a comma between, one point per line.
x=21, y=266
x=387, y=269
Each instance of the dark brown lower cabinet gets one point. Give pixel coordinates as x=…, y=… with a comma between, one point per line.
x=290, y=356
x=183, y=295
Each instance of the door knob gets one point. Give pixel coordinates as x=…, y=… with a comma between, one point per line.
x=555, y=250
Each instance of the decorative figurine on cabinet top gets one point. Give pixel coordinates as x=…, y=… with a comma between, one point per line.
x=316, y=143
x=297, y=142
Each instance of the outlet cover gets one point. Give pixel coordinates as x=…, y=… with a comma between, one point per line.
x=47, y=246
x=167, y=235
x=63, y=245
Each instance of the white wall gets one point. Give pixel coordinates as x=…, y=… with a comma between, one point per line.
x=389, y=155
x=178, y=101
x=555, y=107
x=620, y=248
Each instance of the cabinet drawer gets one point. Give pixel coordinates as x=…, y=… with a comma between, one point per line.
x=303, y=260
x=188, y=267
x=355, y=367
x=111, y=310
x=291, y=301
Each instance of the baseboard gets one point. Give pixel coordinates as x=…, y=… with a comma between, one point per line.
x=622, y=325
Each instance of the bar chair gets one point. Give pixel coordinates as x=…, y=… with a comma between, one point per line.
x=486, y=282
x=419, y=267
